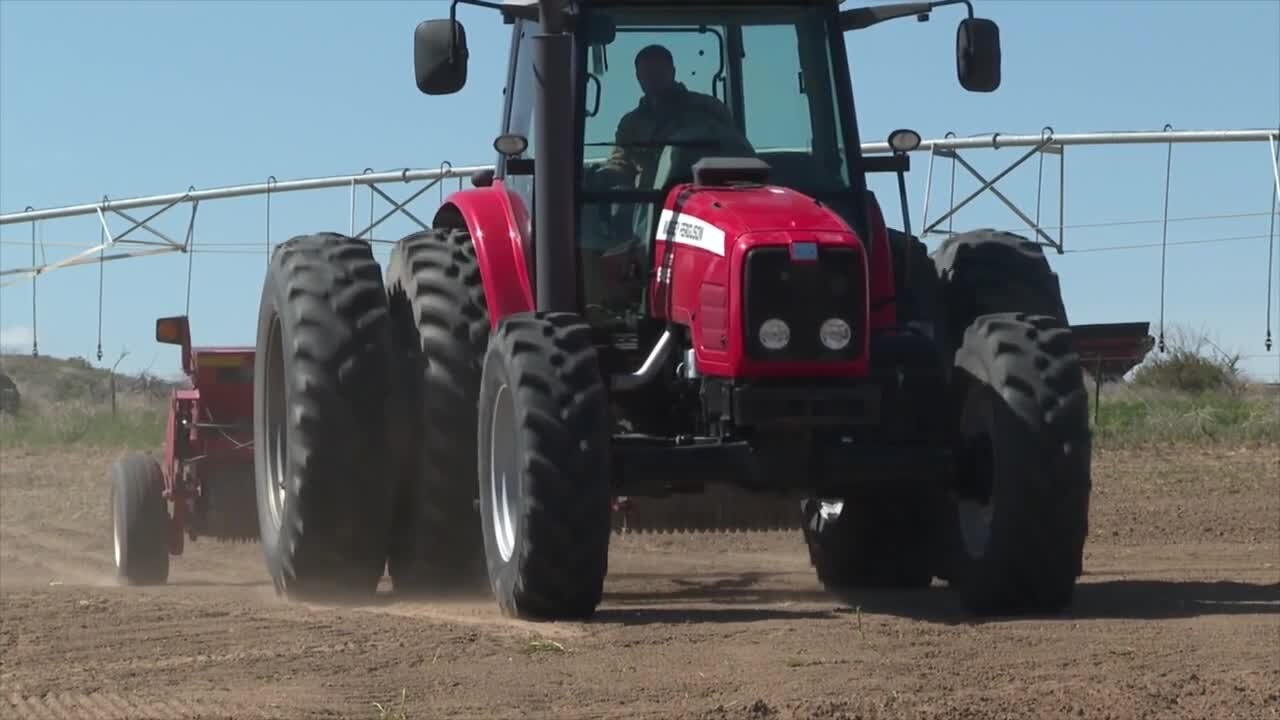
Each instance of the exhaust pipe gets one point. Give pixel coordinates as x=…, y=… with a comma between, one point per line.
x=649, y=368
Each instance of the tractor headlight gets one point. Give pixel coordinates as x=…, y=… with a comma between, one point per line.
x=774, y=334
x=835, y=334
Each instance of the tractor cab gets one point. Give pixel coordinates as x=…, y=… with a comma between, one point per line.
x=760, y=90
x=662, y=88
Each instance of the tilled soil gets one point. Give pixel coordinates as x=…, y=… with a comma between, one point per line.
x=1178, y=616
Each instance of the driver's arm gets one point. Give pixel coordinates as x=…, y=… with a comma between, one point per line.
x=621, y=160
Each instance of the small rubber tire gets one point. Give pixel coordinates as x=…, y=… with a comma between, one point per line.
x=322, y=386
x=441, y=328
x=544, y=459
x=1025, y=453
x=140, y=522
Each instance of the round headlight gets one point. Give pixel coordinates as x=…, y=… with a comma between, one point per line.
x=904, y=141
x=835, y=334
x=774, y=334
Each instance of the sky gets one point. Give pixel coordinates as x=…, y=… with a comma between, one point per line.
x=125, y=99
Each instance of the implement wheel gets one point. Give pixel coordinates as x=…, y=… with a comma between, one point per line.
x=322, y=386
x=139, y=520
x=544, y=467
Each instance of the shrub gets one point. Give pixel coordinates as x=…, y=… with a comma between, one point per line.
x=1187, y=366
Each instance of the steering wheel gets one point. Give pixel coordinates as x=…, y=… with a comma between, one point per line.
x=693, y=142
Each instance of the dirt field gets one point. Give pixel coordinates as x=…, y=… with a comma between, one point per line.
x=1178, y=617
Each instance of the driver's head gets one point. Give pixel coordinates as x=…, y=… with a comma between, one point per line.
x=655, y=69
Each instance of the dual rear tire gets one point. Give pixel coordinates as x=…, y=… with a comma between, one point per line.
x=1008, y=534
x=324, y=412
x=394, y=431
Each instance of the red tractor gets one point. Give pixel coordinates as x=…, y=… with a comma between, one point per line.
x=663, y=288
x=207, y=473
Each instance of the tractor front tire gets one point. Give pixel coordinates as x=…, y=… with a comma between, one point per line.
x=441, y=326
x=322, y=386
x=544, y=467
x=1021, y=514
x=869, y=543
x=140, y=521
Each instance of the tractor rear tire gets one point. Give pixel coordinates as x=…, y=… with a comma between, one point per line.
x=545, y=467
x=322, y=386
x=441, y=326
x=918, y=302
x=140, y=521
x=1020, y=521
x=988, y=271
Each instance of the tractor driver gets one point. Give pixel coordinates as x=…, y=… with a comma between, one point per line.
x=666, y=107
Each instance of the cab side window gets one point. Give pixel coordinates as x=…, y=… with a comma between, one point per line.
x=520, y=121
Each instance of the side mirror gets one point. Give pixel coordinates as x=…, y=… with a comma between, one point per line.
x=440, y=56
x=600, y=30
x=978, y=54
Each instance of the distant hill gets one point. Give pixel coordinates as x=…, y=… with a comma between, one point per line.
x=50, y=380
x=67, y=401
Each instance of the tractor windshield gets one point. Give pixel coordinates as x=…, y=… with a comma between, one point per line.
x=666, y=86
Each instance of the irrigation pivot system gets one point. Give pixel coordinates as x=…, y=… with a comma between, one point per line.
x=622, y=319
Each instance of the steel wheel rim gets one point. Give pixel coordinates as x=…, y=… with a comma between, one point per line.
x=974, y=512
x=975, y=526
x=503, y=473
x=115, y=530
x=277, y=451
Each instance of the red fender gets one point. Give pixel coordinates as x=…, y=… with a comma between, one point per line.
x=500, y=229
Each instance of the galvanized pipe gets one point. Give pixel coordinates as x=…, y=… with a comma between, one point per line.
x=405, y=175
x=1128, y=137
x=993, y=140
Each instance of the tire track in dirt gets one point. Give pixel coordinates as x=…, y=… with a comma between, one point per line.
x=479, y=613
x=84, y=558
x=64, y=562
x=1170, y=622
x=97, y=706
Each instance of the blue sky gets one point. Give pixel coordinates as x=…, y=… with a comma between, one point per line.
x=129, y=99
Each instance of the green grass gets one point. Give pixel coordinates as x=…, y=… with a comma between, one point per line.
x=1175, y=399
x=1136, y=415
x=131, y=428
x=68, y=402
x=1193, y=394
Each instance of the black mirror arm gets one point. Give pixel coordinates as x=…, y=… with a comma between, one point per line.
x=453, y=20
x=862, y=18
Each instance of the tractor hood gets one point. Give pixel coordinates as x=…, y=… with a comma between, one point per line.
x=752, y=209
x=728, y=259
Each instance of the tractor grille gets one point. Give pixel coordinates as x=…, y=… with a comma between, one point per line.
x=804, y=295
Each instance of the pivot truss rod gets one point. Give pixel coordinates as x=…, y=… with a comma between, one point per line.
x=160, y=204
x=1048, y=142
x=948, y=147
